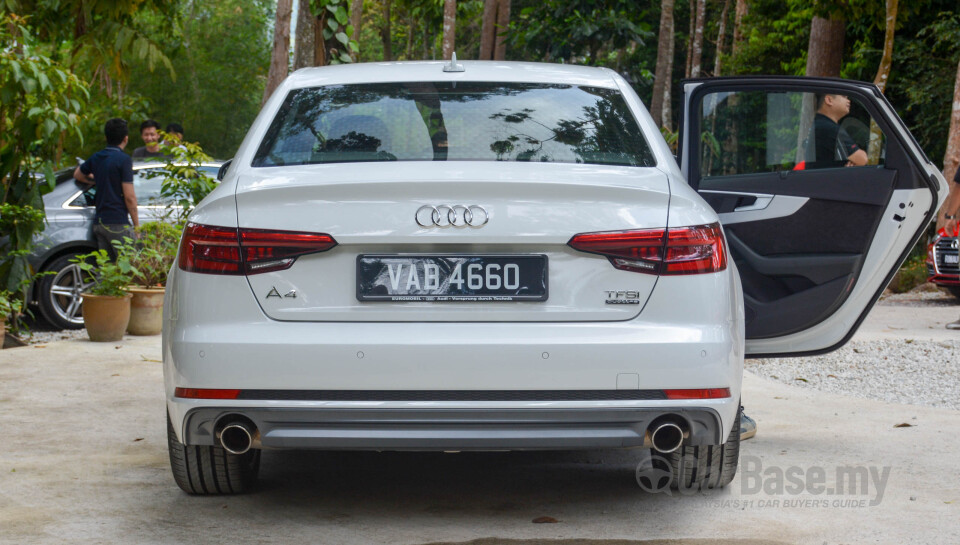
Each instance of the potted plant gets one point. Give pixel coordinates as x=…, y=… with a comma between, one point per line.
x=152, y=258
x=106, y=307
x=9, y=306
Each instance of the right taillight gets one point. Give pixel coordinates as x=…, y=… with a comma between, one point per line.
x=679, y=250
x=232, y=251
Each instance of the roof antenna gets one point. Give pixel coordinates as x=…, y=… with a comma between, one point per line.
x=453, y=66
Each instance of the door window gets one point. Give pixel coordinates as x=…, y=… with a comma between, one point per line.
x=749, y=132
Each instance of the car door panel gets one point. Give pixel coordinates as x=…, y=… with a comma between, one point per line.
x=814, y=247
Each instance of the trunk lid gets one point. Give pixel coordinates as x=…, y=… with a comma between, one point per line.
x=533, y=209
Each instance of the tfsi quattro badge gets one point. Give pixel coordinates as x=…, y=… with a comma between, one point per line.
x=625, y=297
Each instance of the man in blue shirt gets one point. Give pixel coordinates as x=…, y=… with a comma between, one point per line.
x=112, y=170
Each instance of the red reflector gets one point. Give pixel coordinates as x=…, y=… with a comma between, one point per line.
x=679, y=250
x=206, y=393
x=232, y=251
x=703, y=393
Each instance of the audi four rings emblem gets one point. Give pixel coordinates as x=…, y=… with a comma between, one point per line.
x=456, y=215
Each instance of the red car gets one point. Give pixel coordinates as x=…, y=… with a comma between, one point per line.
x=943, y=262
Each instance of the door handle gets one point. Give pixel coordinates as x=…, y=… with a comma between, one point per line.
x=760, y=203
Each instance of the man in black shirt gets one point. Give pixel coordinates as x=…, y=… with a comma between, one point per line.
x=829, y=145
x=150, y=136
x=112, y=170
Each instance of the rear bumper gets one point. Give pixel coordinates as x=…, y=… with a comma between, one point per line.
x=689, y=336
x=452, y=429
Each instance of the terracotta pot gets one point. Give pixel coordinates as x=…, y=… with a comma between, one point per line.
x=105, y=316
x=146, y=311
x=3, y=332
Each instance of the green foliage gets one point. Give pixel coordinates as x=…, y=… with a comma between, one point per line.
x=338, y=34
x=578, y=31
x=184, y=184
x=39, y=101
x=922, y=83
x=221, y=55
x=155, y=252
x=111, y=278
x=10, y=307
x=100, y=36
x=911, y=274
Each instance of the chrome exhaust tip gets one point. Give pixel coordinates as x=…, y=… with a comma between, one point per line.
x=666, y=437
x=237, y=437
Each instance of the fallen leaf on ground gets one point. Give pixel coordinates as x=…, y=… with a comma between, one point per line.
x=832, y=376
x=39, y=346
x=138, y=439
x=115, y=375
x=544, y=520
x=801, y=378
x=118, y=347
x=144, y=358
x=903, y=425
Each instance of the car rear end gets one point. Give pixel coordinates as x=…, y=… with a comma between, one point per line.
x=445, y=263
x=943, y=264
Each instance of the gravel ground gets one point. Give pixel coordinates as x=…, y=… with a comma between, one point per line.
x=43, y=337
x=924, y=295
x=916, y=372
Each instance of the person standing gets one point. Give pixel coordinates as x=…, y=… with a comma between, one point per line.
x=828, y=144
x=175, y=132
x=116, y=201
x=952, y=210
x=151, y=139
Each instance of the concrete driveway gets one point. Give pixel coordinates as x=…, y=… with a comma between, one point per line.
x=83, y=459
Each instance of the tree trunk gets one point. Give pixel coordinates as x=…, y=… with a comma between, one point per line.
x=824, y=57
x=503, y=22
x=693, y=22
x=303, y=48
x=356, y=18
x=449, y=28
x=883, y=73
x=319, y=44
x=281, y=49
x=698, y=39
x=739, y=13
x=825, y=49
x=411, y=25
x=488, y=30
x=662, y=75
x=666, y=119
x=721, y=37
x=386, y=33
x=952, y=157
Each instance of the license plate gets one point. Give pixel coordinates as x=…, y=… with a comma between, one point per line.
x=947, y=258
x=452, y=278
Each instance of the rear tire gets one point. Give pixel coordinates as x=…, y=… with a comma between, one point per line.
x=204, y=470
x=706, y=467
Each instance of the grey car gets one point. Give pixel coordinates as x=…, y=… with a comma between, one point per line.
x=69, y=232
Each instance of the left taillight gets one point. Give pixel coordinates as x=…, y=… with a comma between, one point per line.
x=231, y=251
x=676, y=251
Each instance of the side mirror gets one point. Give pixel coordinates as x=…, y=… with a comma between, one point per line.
x=223, y=170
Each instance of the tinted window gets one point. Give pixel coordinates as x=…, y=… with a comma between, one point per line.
x=748, y=132
x=454, y=122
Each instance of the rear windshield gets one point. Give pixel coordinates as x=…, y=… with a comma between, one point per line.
x=454, y=122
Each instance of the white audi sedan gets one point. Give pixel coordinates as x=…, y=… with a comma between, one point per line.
x=499, y=256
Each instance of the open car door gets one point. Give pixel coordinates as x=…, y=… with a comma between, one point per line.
x=822, y=193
